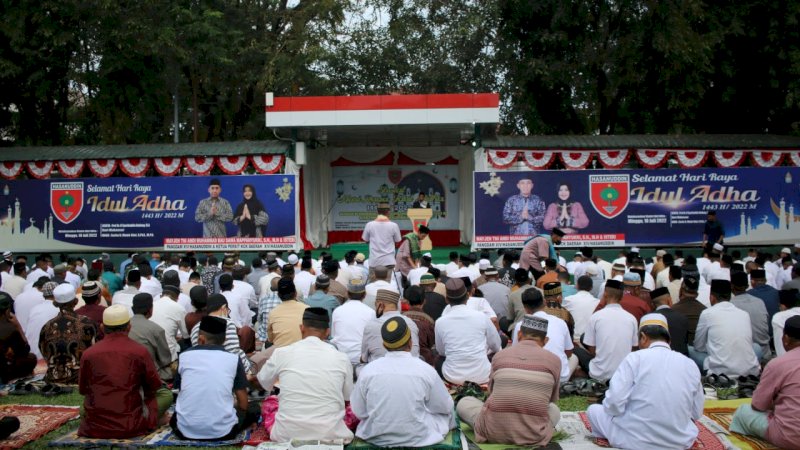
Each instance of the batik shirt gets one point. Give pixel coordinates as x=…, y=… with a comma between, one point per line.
x=213, y=225
x=512, y=214
x=62, y=342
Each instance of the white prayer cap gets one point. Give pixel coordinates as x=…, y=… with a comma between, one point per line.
x=292, y=259
x=719, y=247
x=661, y=253
x=634, y=249
x=592, y=271
x=64, y=293
x=654, y=319
x=786, y=250
x=484, y=264
x=427, y=254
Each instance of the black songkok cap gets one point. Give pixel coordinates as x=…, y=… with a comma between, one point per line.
x=142, y=300
x=691, y=284
x=758, y=274
x=316, y=314
x=134, y=276
x=215, y=302
x=788, y=298
x=213, y=325
x=792, y=327
x=614, y=284
x=658, y=292
x=721, y=287
x=286, y=288
x=739, y=279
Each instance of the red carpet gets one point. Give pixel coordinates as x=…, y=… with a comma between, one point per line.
x=706, y=439
x=35, y=422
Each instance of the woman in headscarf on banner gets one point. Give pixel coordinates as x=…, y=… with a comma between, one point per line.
x=250, y=216
x=565, y=213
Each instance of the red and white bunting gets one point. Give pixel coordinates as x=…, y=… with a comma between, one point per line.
x=691, y=159
x=134, y=167
x=266, y=164
x=39, y=169
x=232, y=165
x=200, y=165
x=652, y=158
x=538, y=160
x=71, y=168
x=501, y=159
x=167, y=167
x=576, y=159
x=794, y=157
x=729, y=158
x=10, y=169
x=613, y=159
x=764, y=158
x=103, y=167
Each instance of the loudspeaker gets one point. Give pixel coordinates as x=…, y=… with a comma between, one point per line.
x=300, y=153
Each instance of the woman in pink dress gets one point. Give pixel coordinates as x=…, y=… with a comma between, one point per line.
x=565, y=213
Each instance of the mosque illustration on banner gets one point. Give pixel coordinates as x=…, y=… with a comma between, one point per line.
x=788, y=229
x=31, y=237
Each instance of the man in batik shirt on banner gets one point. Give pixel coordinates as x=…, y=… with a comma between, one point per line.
x=524, y=212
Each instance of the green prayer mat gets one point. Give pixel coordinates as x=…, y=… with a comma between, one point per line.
x=451, y=442
x=470, y=434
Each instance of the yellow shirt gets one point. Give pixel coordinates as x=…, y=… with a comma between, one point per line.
x=283, y=326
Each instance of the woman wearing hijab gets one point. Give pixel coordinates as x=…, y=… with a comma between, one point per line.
x=250, y=216
x=565, y=213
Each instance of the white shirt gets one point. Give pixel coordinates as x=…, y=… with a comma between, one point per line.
x=662, y=278
x=303, y=281
x=372, y=291
x=451, y=268
x=605, y=266
x=649, y=282
x=246, y=291
x=421, y=412
x=702, y=263
x=36, y=274
x=719, y=273
x=653, y=382
x=170, y=316
x=347, y=328
x=479, y=304
x=265, y=283
x=464, y=272
x=40, y=315
x=125, y=297
x=185, y=302
x=73, y=279
x=704, y=293
x=14, y=286
x=581, y=306
x=240, y=312
x=24, y=304
x=708, y=269
x=778, y=322
x=316, y=379
x=724, y=332
x=465, y=337
x=581, y=268
x=559, y=340
x=381, y=236
x=414, y=275
x=613, y=332
x=151, y=286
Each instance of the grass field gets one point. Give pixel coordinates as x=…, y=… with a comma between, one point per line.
x=572, y=403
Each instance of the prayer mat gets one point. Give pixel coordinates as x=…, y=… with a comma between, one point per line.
x=572, y=435
x=721, y=412
x=169, y=439
x=258, y=436
x=706, y=439
x=452, y=441
x=35, y=421
x=72, y=439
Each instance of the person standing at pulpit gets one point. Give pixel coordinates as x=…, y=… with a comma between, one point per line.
x=421, y=202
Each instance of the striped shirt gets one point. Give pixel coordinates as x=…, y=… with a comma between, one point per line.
x=265, y=305
x=524, y=382
x=231, y=343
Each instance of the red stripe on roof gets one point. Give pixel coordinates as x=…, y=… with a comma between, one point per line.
x=384, y=102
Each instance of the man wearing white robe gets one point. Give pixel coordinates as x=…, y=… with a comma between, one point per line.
x=654, y=397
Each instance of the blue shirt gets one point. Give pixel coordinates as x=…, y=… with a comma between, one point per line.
x=320, y=299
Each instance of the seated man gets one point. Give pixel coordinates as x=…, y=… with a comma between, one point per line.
x=400, y=399
x=654, y=397
x=523, y=390
x=18, y=361
x=217, y=306
x=386, y=307
x=772, y=415
x=315, y=381
x=123, y=395
x=463, y=339
x=723, y=342
x=65, y=338
x=210, y=379
x=148, y=333
x=283, y=325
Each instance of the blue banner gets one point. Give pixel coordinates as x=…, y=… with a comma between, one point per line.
x=255, y=212
x=755, y=206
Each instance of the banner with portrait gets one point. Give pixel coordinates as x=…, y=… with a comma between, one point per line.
x=758, y=206
x=359, y=189
x=173, y=213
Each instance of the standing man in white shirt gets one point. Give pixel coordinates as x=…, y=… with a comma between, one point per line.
x=382, y=234
x=638, y=392
x=169, y=315
x=581, y=306
x=723, y=341
x=349, y=320
x=610, y=336
x=464, y=337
